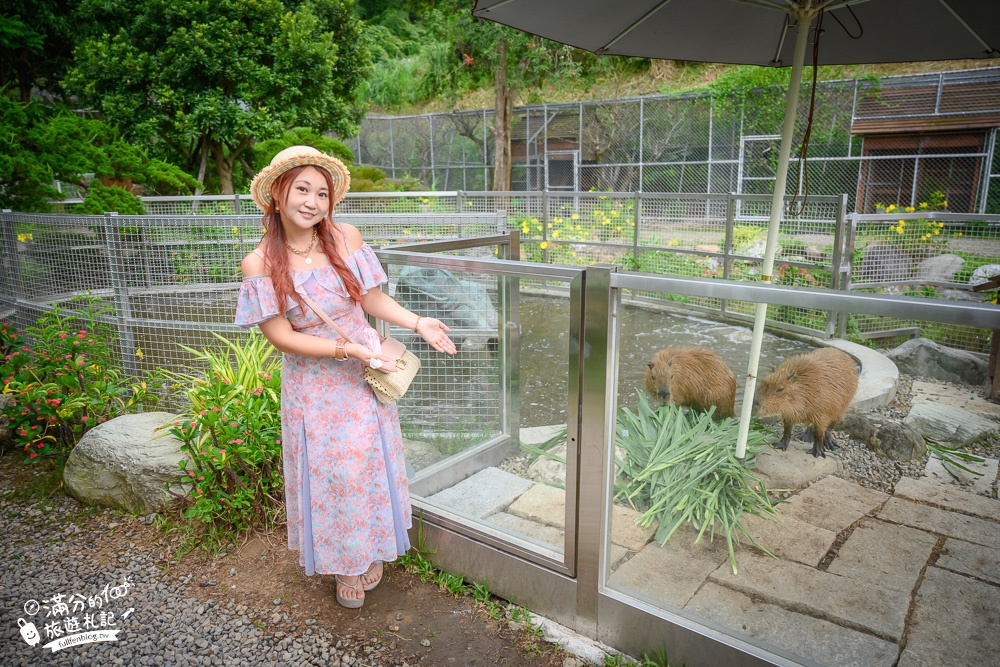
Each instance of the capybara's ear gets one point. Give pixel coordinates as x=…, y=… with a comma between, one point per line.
x=650, y=365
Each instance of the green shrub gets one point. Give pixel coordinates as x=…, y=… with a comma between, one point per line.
x=64, y=379
x=103, y=199
x=231, y=431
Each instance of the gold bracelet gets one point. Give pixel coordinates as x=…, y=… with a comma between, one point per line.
x=417, y=323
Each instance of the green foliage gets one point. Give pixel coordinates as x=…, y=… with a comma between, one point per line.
x=265, y=151
x=36, y=41
x=214, y=76
x=64, y=379
x=231, y=432
x=950, y=457
x=101, y=199
x=679, y=467
x=922, y=235
x=43, y=143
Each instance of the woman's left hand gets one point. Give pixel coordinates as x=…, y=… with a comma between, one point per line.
x=435, y=332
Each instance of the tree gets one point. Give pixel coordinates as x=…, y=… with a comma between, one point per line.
x=36, y=42
x=204, y=80
x=517, y=61
x=40, y=144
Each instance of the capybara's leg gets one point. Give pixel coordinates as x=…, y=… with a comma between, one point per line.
x=807, y=435
x=830, y=442
x=819, y=437
x=785, y=437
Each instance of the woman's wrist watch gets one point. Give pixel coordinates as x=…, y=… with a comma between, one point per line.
x=340, y=349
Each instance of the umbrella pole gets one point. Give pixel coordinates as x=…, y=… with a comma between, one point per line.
x=777, y=205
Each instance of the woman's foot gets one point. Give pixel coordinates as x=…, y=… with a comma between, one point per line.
x=373, y=576
x=350, y=594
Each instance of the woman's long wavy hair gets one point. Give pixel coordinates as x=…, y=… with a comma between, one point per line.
x=275, y=255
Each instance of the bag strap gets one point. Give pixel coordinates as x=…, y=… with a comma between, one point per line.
x=326, y=318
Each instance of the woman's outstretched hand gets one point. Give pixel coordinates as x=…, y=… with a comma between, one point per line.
x=435, y=332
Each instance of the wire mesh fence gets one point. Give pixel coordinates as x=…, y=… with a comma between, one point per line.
x=697, y=235
x=895, y=140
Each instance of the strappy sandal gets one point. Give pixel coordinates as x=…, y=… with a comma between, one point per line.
x=350, y=603
x=368, y=573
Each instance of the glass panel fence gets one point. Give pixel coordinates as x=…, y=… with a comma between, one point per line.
x=843, y=555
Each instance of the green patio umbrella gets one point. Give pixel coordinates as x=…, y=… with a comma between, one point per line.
x=769, y=33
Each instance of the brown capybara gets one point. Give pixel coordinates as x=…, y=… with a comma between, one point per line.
x=693, y=377
x=813, y=388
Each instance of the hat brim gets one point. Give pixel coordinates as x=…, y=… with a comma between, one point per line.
x=260, y=187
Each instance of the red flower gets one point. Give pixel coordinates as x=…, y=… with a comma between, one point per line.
x=467, y=58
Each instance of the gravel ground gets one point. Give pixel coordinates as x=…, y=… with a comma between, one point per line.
x=53, y=549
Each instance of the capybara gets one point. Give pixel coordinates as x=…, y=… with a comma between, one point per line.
x=813, y=388
x=693, y=377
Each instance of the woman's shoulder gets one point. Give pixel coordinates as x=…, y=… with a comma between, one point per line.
x=254, y=264
x=353, y=236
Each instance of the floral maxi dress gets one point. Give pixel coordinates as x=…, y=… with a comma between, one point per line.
x=346, y=496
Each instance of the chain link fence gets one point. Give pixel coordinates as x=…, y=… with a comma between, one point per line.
x=895, y=140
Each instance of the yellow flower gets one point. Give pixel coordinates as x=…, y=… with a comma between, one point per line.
x=945, y=203
x=672, y=242
x=138, y=353
x=910, y=209
x=614, y=214
x=937, y=231
x=468, y=203
x=557, y=220
x=575, y=216
x=555, y=233
x=960, y=233
x=902, y=223
x=890, y=208
x=534, y=220
x=426, y=200
x=923, y=204
x=236, y=231
x=539, y=228
x=602, y=197
x=618, y=229
x=543, y=245
x=25, y=237
x=899, y=230
x=407, y=231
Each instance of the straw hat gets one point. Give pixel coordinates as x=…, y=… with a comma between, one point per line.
x=298, y=156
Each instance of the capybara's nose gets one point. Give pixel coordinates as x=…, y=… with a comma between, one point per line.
x=663, y=394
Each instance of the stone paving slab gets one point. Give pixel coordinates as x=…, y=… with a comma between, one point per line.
x=812, y=638
x=948, y=496
x=833, y=503
x=536, y=531
x=626, y=532
x=542, y=504
x=675, y=571
x=487, y=492
x=846, y=601
x=972, y=559
x=790, y=538
x=884, y=554
x=956, y=621
x=968, y=481
x=794, y=468
x=934, y=520
x=959, y=398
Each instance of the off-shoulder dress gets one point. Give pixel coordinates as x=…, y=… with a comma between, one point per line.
x=346, y=495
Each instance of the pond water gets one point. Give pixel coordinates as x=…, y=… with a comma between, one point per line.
x=545, y=347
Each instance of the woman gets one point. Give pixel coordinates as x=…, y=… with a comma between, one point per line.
x=346, y=496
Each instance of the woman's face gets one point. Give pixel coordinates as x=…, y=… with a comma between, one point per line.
x=308, y=200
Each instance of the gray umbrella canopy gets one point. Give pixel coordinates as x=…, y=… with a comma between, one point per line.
x=763, y=32
x=760, y=32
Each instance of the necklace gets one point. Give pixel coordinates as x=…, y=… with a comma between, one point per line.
x=305, y=253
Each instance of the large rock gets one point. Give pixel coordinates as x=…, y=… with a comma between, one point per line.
x=926, y=358
x=124, y=462
x=948, y=425
x=884, y=263
x=940, y=268
x=984, y=273
x=884, y=435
